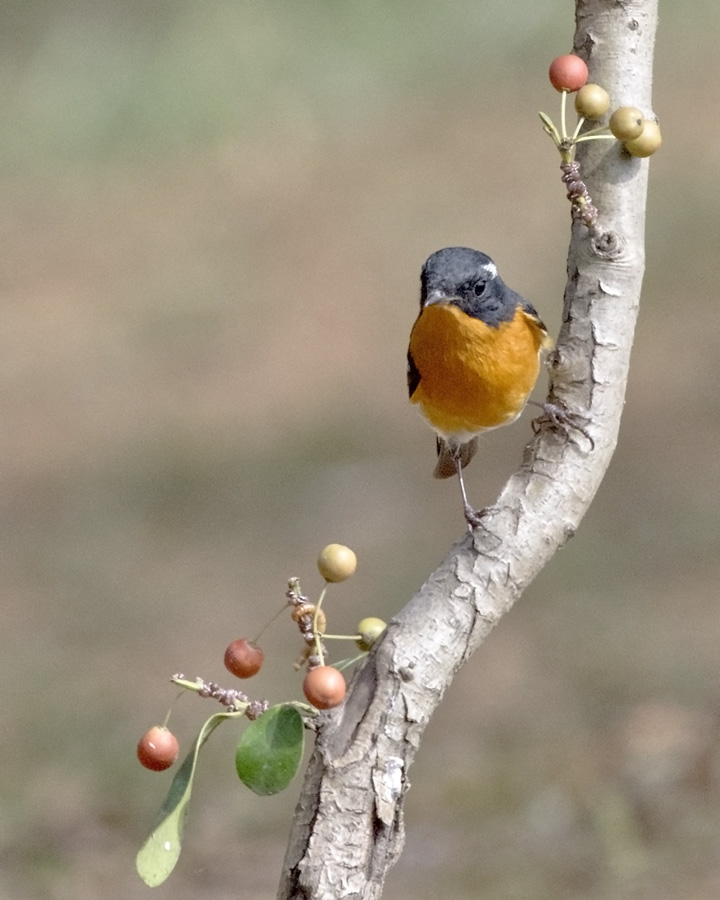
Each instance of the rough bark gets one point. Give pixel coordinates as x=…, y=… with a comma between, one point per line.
x=348, y=826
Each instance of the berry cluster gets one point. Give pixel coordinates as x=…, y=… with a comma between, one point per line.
x=270, y=749
x=639, y=136
x=324, y=686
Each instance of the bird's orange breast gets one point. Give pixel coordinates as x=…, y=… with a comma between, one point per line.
x=473, y=376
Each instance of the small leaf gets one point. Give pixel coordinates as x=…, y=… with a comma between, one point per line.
x=158, y=855
x=270, y=750
x=546, y=120
x=549, y=127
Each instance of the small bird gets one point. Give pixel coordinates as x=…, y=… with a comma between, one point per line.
x=474, y=356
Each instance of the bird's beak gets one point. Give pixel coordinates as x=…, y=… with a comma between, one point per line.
x=436, y=296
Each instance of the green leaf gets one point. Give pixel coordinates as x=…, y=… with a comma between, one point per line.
x=549, y=127
x=270, y=750
x=160, y=852
x=547, y=121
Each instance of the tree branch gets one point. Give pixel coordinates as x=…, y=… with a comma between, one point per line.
x=348, y=826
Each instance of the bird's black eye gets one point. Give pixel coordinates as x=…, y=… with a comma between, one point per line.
x=468, y=288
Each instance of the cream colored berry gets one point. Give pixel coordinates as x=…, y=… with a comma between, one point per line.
x=369, y=630
x=647, y=143
x=336, y=562
x=592, y=101
x=626, y=123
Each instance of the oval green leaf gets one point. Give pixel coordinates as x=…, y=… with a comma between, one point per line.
x=158, y=855
x=270, y=750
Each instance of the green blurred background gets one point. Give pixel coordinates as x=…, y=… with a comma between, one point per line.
x=213, y=219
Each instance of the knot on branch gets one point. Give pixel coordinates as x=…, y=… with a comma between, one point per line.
x=608, y=245
x=566, y=367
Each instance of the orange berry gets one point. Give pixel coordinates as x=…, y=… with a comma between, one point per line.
x=243, y=658
x=158, y=749
x=324, y=687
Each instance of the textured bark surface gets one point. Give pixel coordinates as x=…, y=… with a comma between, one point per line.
x=348, y=826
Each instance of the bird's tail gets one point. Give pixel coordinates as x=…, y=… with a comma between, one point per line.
x=448, y=454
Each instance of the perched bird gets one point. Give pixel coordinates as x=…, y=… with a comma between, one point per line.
x=474, y=356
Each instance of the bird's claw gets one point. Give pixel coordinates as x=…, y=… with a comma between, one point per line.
x=558, y=417
x=473, y=517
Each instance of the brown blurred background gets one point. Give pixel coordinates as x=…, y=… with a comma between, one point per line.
x=213, y=219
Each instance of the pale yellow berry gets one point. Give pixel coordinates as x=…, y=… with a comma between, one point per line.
x=369, y=630
x=626, y=123
x=648, y=142
x=592, y=101
x=336, y=562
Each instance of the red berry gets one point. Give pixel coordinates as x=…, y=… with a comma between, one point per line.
x=568, y=73
x=324, y=687
x=158, y=748
x=243, y=658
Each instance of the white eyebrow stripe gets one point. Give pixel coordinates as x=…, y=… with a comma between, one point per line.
x=491, y=269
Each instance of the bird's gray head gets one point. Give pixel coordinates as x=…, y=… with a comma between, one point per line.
x=469, y=280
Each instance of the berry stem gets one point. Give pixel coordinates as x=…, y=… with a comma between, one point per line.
x=170, y=709
x=581, y=122
x=318, y=643
x=269, y=623
x=595, y=135
x=563, y=104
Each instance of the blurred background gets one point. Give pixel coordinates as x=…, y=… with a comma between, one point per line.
x=213, y=220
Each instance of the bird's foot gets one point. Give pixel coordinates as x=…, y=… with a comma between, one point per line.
x=558, y=417
x=472, y=517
